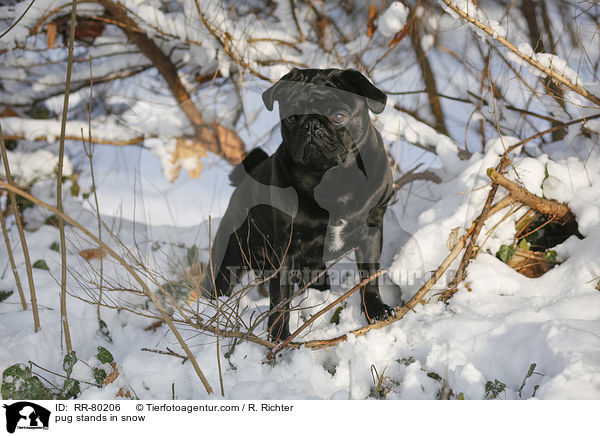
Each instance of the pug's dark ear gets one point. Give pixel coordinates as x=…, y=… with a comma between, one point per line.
x=359, y=84
x=273, y=93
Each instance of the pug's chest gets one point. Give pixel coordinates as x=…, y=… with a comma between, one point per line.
x=326, y=236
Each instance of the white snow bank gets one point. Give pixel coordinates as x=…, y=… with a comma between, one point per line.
x=26, y=168
x=393, y=19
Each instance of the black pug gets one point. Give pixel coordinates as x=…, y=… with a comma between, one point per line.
x=323, y=192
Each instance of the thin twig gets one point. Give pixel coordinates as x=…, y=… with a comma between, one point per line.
x=18, y=20
x=134, y=141
x=11, y=259
x=165, y=316
x=325, y=309
x=59, y=172
x=214, y=286
x=90, y=154
x=208, y=136
x=169, y=352
x=15, y=210
x=416, y=298
x=502, y=40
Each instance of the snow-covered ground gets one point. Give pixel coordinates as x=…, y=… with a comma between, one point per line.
x=495, y=330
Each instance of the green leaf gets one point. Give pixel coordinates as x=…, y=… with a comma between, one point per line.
x=39, y=113
x=523, y=245
x=546, y=175
x=434, y=376
x=41, y=264
x=4, y=295
x=505, y=252
x=530, y=372
x=54, y=246
x=104, y=332
x=192, y=255
x=99, y=375
x=104, y=355
x=335, y=318
x=69, y=362
x=550, y=256
x=71, y=389
x=75, y=189
x=407, y=361
x=493, y=389
x=52, y=220
x=525, y=223
x=460, y=396
x=18, y=383
x=532, y=238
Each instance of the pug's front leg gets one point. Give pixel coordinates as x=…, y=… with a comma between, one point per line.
x=280, y=295
x=368, y=257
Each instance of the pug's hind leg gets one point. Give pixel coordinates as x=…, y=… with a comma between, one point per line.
x=223, y=277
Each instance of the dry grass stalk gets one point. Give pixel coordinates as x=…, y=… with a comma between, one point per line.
x=11, y=259
x=164, y=314
x=59, y=172
x=15, y=210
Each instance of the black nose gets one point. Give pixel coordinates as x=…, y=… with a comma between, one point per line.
x=311, y=125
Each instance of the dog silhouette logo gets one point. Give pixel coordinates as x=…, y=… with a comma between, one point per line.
x=26, y=415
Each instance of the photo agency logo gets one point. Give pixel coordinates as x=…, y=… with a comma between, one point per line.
x=24, y=415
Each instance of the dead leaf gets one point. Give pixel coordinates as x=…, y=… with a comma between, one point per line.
x=232, y=147
x=203, y=78
x=123, y=393
x=452, y=238
x=112, y=376
x=371, y=26
x=51, y=32
x=92, y=253
x=8, y=112
x=88, y=30
x=262, y=290
x=531, y=264
x=188, y=156
x=154, y=326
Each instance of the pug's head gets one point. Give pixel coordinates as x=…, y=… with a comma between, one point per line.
x=324, y=113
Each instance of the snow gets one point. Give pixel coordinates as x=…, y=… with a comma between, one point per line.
x=547, y=60
x=105, y=129
x=470, y=9
x=496, y=330
x=25, y=168
x=496, y=326
x=393, y=19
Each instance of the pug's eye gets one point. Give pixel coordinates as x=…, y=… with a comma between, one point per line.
x=290, y=118
x=339, y=118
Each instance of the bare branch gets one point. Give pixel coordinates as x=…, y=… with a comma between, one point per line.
x=552, y=208
x=505, y=42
